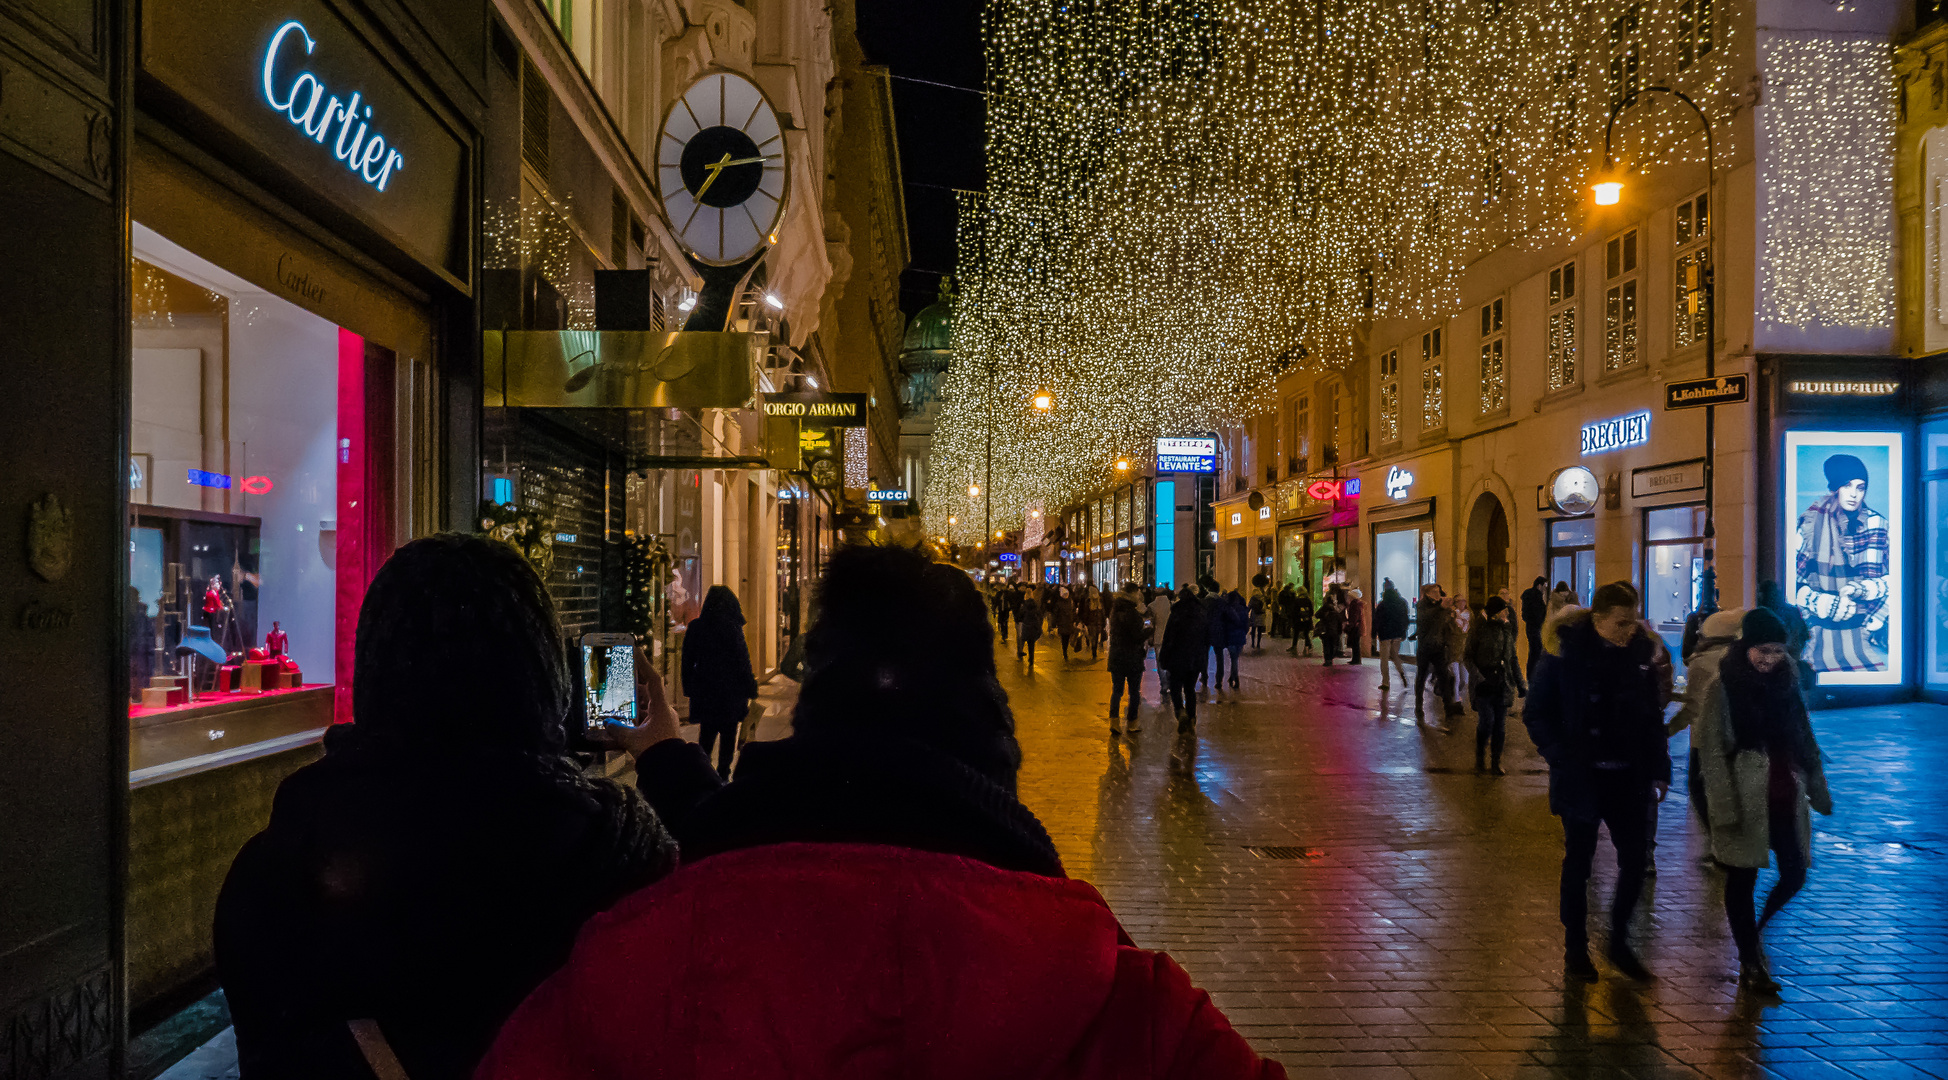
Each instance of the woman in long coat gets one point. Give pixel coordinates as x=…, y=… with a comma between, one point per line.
x=1761, y=769
x=1061, y=618
x=1300, y=620
x=1332, y=620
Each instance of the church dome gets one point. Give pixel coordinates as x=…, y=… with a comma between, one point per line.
x=932, y=328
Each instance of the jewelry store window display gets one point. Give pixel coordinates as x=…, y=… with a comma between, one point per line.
x=235, y=458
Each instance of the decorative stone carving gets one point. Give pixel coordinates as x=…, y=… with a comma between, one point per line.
x=50, y=538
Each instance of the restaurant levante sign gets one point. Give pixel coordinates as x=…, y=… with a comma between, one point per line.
x=832, y=410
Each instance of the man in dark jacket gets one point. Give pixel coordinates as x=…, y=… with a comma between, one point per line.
x=1390, y=621
x=882, y=840
x=1186, y=640
x=1596, y=714
x=1430, y=651
x=717, y=676
x=1127, y=644
x=1535, y=610
x=1211, y=595
x=422, y=902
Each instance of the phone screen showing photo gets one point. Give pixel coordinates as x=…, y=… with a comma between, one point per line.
x=609, y=681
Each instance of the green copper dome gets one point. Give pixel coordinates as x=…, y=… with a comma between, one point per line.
x=932, y=328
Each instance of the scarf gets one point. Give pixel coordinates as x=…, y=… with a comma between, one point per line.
x=1766, y=710
x=1838, y=548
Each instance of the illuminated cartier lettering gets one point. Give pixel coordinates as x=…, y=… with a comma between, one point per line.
x=371, y=158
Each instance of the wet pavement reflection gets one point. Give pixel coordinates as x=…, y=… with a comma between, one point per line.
x=1362, y=903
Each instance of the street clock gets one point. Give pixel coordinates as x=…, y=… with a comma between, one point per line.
x=720, y=168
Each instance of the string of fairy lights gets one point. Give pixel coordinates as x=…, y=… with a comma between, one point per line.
x=1187, y=199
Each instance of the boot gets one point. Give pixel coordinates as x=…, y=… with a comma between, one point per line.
x=1495, y=766
x=1627, y=964
x=1576, y=966
x=1755, y=974
x=1481, y=760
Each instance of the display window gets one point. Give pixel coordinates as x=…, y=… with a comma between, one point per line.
x=1572, y=556
x=1404, y=556
x=1674, y=568
x=258, y=506
x=1843, y=529
x=1934, y=465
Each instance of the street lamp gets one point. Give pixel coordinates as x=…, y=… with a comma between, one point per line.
x=1122, y=464
x=1044, y=401
x=973, y=490
x=1608, y=192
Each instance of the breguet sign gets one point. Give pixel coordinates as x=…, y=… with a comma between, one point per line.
x=297, y=83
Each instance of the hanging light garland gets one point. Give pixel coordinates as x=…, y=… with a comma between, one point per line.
x=1187, y=199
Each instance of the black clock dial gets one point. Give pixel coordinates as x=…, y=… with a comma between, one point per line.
x=734, y=183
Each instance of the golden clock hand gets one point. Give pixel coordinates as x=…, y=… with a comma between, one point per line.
x=715, y=171
x=748, y=160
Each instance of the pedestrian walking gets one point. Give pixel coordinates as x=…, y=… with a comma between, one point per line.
x=1460, y=618
x=1061, y=618
x=1596, y=715
x=1433, y=619
x=1095, y=619
x=1159, y=623
x=1798, y=633
x=1535, y=610
x=717, y=674
x=1355, y=621
x=1301, y=619
x=1256, y=608
x=1028, y=626
x=1281, y=600
x=1127, y=637
x=1331, y=623
x=1237, y=627
x=1496, y=676
x=1560, y=597
x=1186, y=642
x=1715, y=636
x=430, y=901
x=1390, y=622
x=882, y=841
x=1011, y=598
x=1761, y=768
x=1214, y=620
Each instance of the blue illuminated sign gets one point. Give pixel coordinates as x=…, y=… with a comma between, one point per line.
x=208, y=479
x=1192, y=454
x=1009, y=556
x=1607, y=435
x=367, y=157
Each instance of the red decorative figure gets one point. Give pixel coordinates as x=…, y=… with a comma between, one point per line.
x=213, y=596
x=277, y=642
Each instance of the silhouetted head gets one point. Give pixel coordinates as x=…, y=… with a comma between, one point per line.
x=902, y=649
x=720, y=607
x=458, y=645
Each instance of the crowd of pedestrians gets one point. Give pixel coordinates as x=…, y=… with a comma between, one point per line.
x=1592, y=683
x=509, y=916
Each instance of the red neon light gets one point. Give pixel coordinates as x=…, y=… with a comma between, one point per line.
x=1321, y=490
x=257, y=485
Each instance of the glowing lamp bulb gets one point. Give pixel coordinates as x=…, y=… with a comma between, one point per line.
x=973, y=489
x=1044, y=402
x=1608, y=192
x=952, y=521
x=772, y=299
x=1122, y=464
x=686, y=303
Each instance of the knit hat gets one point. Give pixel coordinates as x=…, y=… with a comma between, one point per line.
x=1495, y=606
x=1843, y=469
x=1762, y=627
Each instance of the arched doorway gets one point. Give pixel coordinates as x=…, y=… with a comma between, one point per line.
x=1487, y=549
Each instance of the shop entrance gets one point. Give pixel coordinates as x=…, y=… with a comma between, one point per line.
x=1487, y=550
x=1404, y=556
x=1673, y=568
x=1572, y=555
x=1325, y=566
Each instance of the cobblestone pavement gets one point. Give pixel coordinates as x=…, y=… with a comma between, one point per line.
x=1409, y=928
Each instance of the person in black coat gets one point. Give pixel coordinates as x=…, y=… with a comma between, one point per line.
x=1212, y=597
x=1186, y=641
x=1028, y=626
x=435, y=865
x=1332, y=621
x=717, y=674
x=1127, y=645
x=1495, y=677
x=1390, y=623
x=1596, y=715
x=1535, y=611
x=1300, y=619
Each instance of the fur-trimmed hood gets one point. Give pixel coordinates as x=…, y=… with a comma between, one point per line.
x=1552, y=628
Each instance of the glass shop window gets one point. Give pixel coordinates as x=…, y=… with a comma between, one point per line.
x=257, y=507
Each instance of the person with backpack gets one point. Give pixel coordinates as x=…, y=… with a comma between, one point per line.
x=1390, y=623
x=1496, y=677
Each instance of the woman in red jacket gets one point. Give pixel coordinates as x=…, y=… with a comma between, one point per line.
x=867, y=898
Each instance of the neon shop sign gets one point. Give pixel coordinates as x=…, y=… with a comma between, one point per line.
x=314, y=110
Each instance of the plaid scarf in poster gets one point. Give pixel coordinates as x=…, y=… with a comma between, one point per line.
x=1840, y=552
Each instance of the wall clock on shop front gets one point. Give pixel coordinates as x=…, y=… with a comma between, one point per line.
x=720, y=168
x=1574, y=490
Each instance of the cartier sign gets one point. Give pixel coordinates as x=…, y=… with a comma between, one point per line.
x=313, y=103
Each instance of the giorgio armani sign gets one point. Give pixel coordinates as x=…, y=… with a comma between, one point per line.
x=295, y=81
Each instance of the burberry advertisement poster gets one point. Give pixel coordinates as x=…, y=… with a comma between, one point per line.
x=1843, y=492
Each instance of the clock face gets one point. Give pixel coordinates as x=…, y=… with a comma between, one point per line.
x=720, y=168
x=1574, y=490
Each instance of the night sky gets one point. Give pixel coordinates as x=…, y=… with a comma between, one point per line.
x=938, y=41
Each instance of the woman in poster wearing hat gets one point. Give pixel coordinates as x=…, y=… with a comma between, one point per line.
x=1840, y=571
